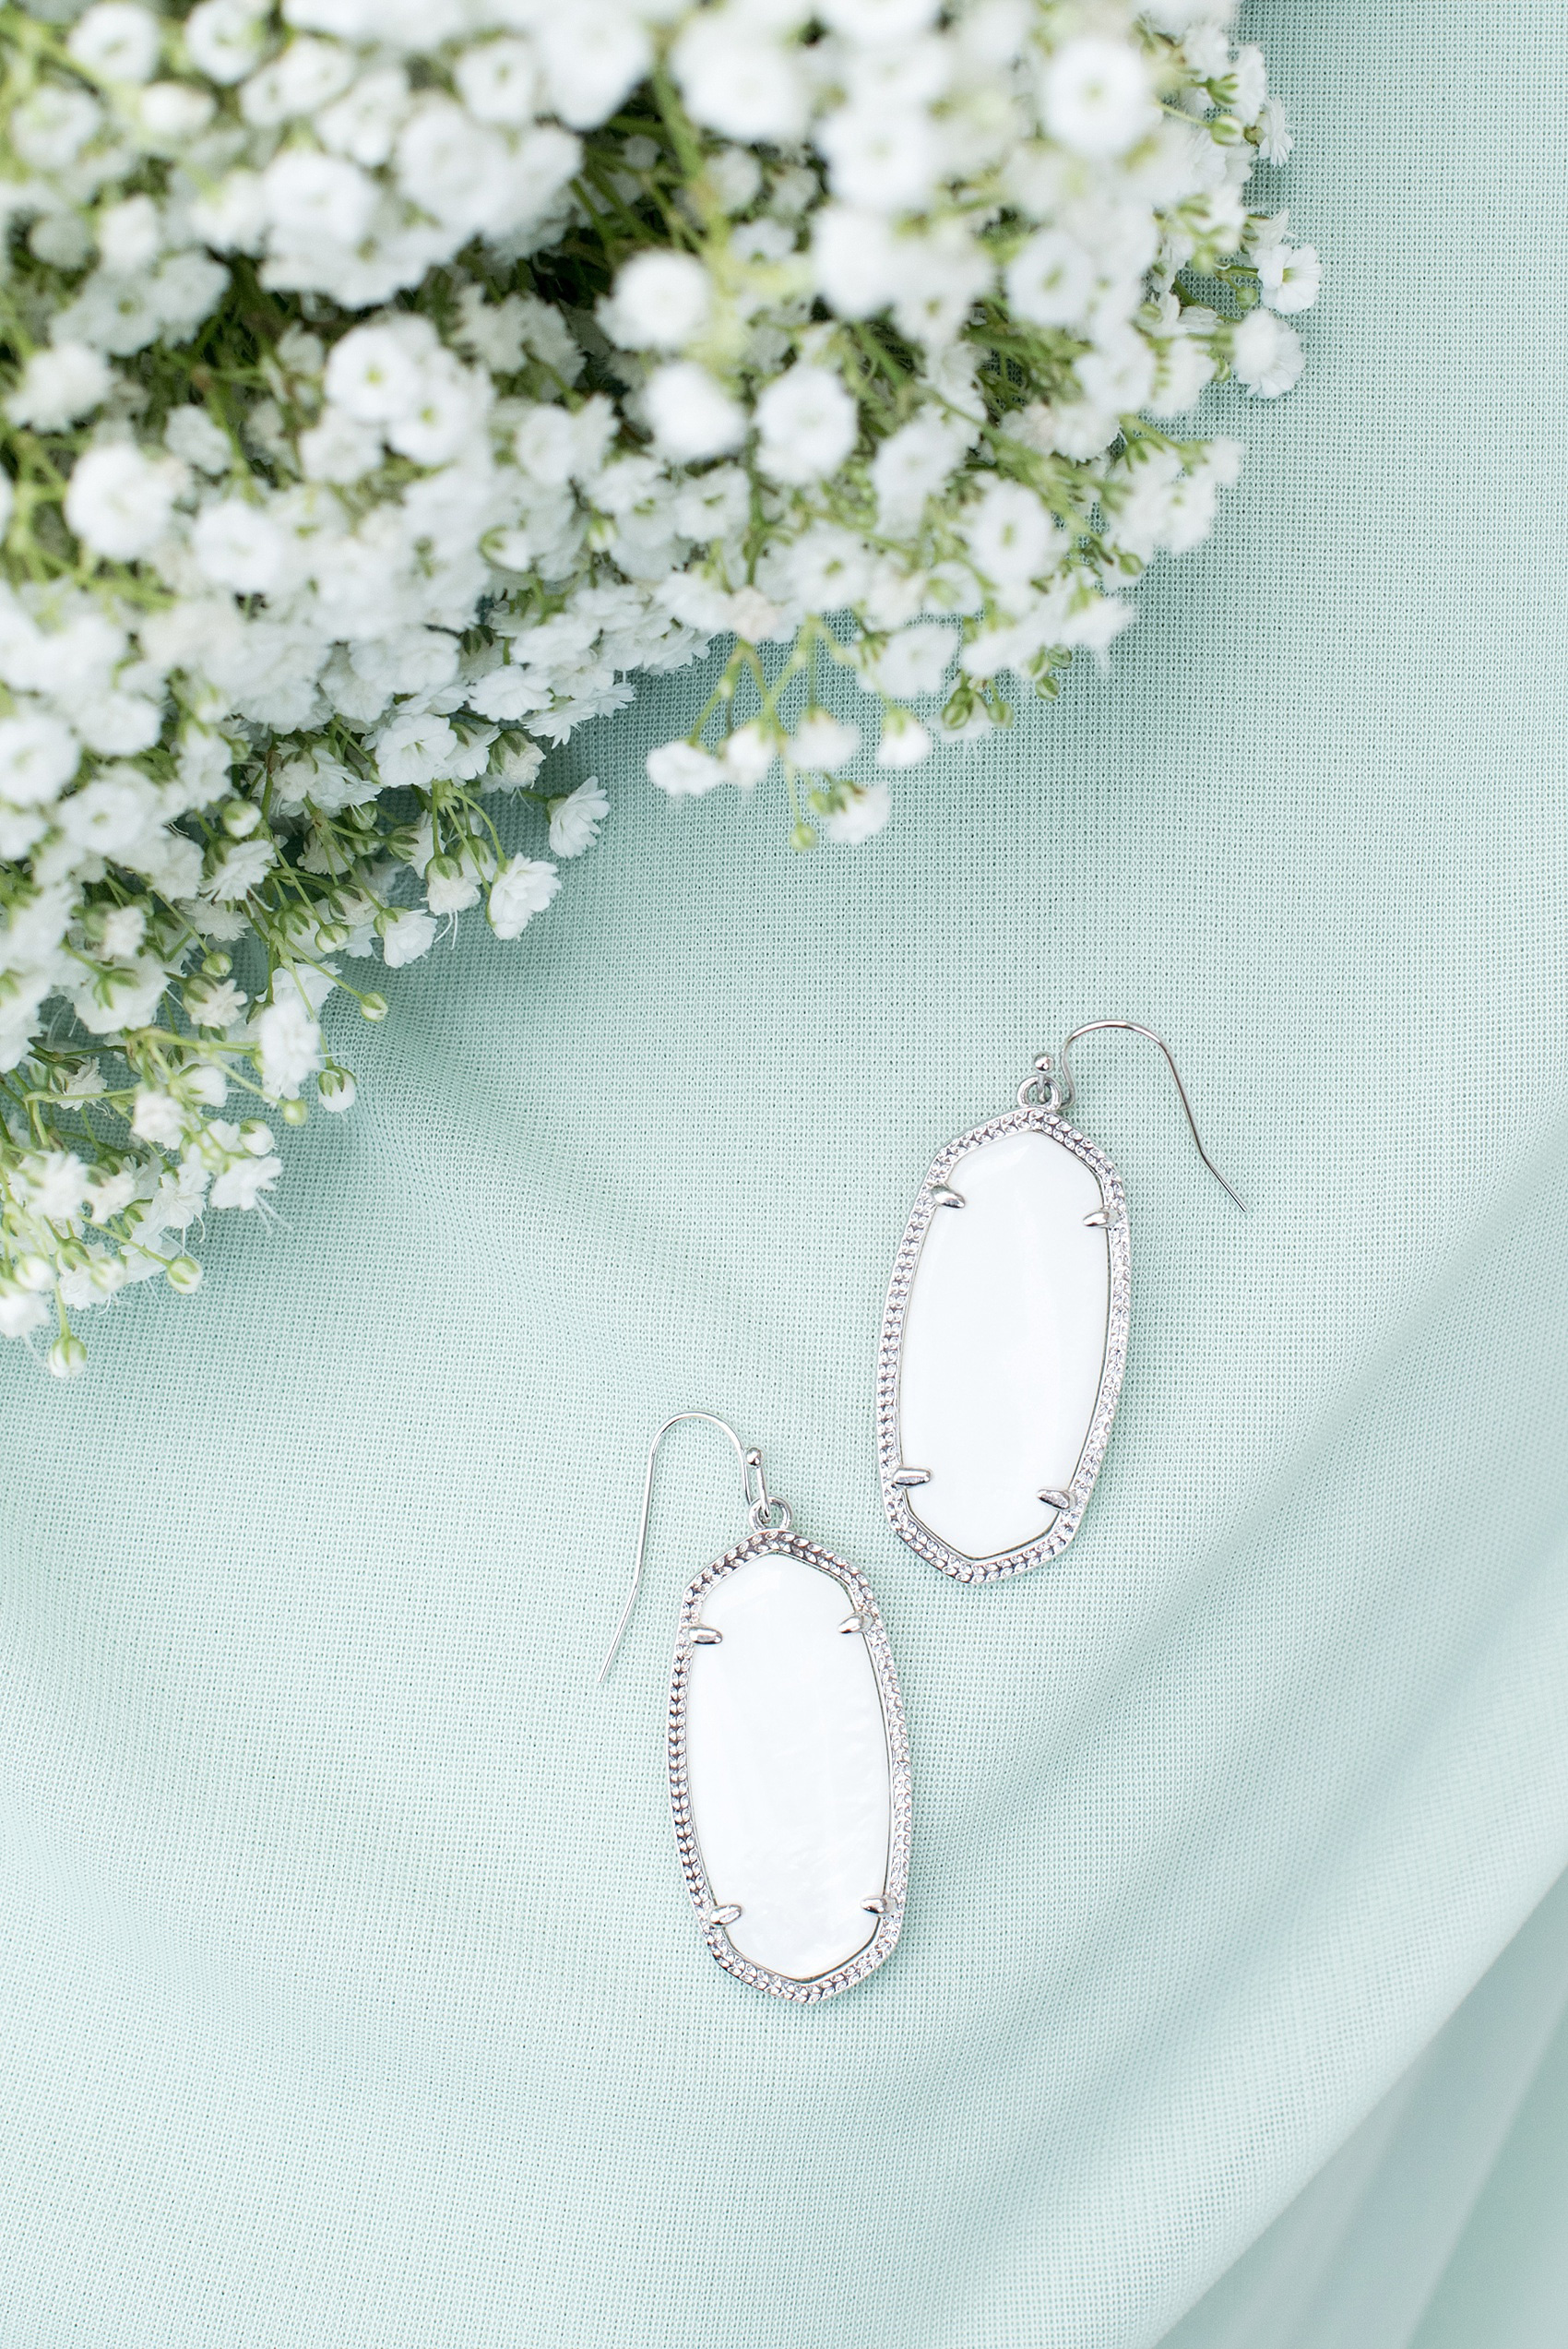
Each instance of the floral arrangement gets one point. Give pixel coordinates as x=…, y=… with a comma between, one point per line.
x=386, y=385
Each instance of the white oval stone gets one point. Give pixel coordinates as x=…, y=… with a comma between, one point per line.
x=1004, y=1344
x=787, y=1762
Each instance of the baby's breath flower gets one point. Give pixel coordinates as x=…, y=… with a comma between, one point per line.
x=905, y=742
x=53, y=1183
x=405, y=937
x=682, y=770
x=240, y=869
x=214, y=1003
x=59, y=385
x=660, y=302
x=824, y=741
x=116, y=40
x=748, y=755
x=1097, y=96
x=243, y=1179
x=119, y=501
x=391, y=390
x=1290, y=276
x=1267, y=354
x=523, y=888
x=1277, y=140
x=806, y=424
x=692, y=416
x=157, y=1117
x=20, y=1313
x=289, y=1043
x=574, y=819
x=109, y=1193
x=862, y=813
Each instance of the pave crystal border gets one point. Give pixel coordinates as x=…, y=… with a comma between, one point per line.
x=900, y=1515
x=880, y=1947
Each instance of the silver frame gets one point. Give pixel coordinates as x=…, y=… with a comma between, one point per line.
x=900, y=1515
x=892, y=1891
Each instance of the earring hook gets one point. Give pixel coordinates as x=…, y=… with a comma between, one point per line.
x=1132, y=1028
x=765, y=1513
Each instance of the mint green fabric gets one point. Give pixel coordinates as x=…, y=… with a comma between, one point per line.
x=1439, y=2224
x=348, y=1991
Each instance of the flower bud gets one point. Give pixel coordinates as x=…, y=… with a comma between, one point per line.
x=68, y=1356
x=240, y=818
x=373, y=1007
x=256, y=1136
x=71, y=1257
x=184, y=1274
x=331, y=935
x=34, y=1272
x=802, y=836
x=217, y=966
x=294, y=1111
x=337, y=1087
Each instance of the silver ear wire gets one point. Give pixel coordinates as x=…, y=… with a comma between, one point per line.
x=1063, y=1084
x=765, y=1513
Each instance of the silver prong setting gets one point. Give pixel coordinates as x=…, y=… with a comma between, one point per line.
x=703, y=1635
x=1054, y=1497
x=853, y=1623
x=875, y=1906
x=944, y=1195
x=717, y=1915
x=1034, y=1117
x=909, y=1479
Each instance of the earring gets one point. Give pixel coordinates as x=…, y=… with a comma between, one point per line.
x=1005, y=1333
x=788, y=1763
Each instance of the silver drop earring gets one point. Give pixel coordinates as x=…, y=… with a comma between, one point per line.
x=1005, y=1333
x=787, y=1760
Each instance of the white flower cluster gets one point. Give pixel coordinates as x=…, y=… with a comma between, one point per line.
x=392, y=384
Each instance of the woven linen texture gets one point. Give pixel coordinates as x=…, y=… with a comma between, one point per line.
x=349, y=1993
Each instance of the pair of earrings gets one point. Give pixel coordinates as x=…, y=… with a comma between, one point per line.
x=1003, y=1349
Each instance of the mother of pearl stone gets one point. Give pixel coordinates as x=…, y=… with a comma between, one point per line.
x=1004, y=1344
x=786, y=1759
